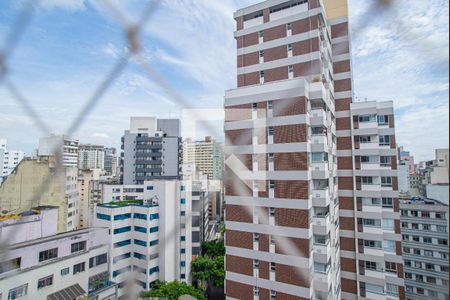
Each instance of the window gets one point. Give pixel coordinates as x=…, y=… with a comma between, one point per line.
x=103, y=217
x=139, y=256
x=425, y=214
x=255, y=264
x=367, y=180
x=261, y=74
x=440, y=215
x=291, y=69
x=154, y=217
x=320, y=267
x=256, y=291
x=385, y=161
x=122, y=243
x=373, y=288
x=371, y=201
x=183, y=213
x=416, y=252
x=320, y=239
x=442, y=242
x=18, y=292
x=372, y=222
x=154, y=243
x=140, y=229
x=183, y=238
x=428, y=253
x=371, y=159
x=76, y=247
x=273, y=295
x=272, y=212
x=288, y=26
x=391, y=267
x=255, y=237
x=370, y=265
x=149, y=188
x=154, y=270
x=98, y=260
x=78, y=268
x=273, y=267
x=261, y=53
x=427, y=240
x=431, y=279
x=121, y=257
x=367, y=118
x=140, y=243
x=122, y=230
x=391, y=289
x=388, y=224
x=182, y=264
x=429, y=267
x=120, y=271
x=372, y=244
x=420, y=291
x=441, y=228
x=365, y=139
x=46, y=281
x=387, y=202
x=261, y=34
x=48, y=254
x=444, y=269
x=383, y=120
x=416, y=238
x=183, y=201
x=122, y=217
x=389, y=245
x=385, y=140
x=426, y=227
x=65, y=271
x=154, y=229
x=140, y=216
x=386, y=181
x=319, y=156
x=432, y=293
x=289, y=47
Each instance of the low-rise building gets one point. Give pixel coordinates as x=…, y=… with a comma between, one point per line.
x=424, y=227
x=63, y=266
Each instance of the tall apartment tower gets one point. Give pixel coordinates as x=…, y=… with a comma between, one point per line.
x=151, y=149
x=296, y=226
x=9, y=159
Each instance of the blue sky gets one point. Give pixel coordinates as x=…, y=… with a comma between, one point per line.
x=400, y=53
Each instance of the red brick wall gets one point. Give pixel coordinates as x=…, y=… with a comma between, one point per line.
x=347, y=244
x=238, y=113
x=294, y=246
x=348, y=265
x=346, y=203
x=291, y=161
x=345, y=183
x=289, y=107
x=292, y=275
x=238, y=290
x=298, y=189
x=239, y=265
x=307, y=68
x=248, y=79
x=238, y=137
x=305, y=47
x=238, y=213
x=240, y=239
x=343, y=124
x=344, y=143
x=274, y=33
x=248, y=59
x=341, y=66
x=343, y=104
x=342, y=85
x=348, y=286
x=275, y=53
x=347, y=223
x=345, y=163
x=290, y=134
x=297, y=218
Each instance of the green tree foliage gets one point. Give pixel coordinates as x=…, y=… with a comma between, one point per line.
x=205, y=269
x=174, y=290
x=213, y=249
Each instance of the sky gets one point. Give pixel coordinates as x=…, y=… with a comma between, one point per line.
x=400, y=53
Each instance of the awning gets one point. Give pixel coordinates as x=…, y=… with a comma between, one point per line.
x=69, y=293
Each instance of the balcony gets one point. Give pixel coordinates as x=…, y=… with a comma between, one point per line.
x=318, y=117
x=254, y=22
x=368, y=125
x=370, y=145
x=371, y=187
x=370, y=166
x=321, y=224
x=281, y=12
x=374, y=251
x=319, y=139
x=321, y=197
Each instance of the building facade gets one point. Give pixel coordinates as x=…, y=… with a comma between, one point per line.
x=152, y=233
x=307, y=171
x=207, y=156
x=110, y=163
x=90, y=192
x=151, y=149
x=60, y=145
x=281, y=199
x=38, y=182
x=9, y=159
x=425, y=248
x=64, y=266
x=91, y=157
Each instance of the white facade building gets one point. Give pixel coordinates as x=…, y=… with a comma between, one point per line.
x=91, y=157
x=9, y=159
x=52, y=144
x=64, y=266
x=151, y=233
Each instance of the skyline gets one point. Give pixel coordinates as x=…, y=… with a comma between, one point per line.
x=202, y=66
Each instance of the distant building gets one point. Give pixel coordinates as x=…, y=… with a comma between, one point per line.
x=60, y=144
x=64, y=266
x=90, y=192
x=9, y=159
x=110, y=162
x=206, y=155
x=151, y=150
x=403, y=178
x=424, y=227
x=435, y=176
x=91, y=157
x=37, y=182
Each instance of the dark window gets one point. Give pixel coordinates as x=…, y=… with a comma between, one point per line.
x=78, y=268
x=46, y=281
x=48, y=254
x=76, y=247
x=98, y=260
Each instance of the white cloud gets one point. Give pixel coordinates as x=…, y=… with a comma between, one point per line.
x=71, y=5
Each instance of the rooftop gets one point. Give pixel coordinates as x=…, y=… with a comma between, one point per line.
x=421, y=201
x=116, y=204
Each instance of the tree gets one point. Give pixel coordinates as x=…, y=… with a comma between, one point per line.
x=206, y=270
x=213, y=249
x=174, y=290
